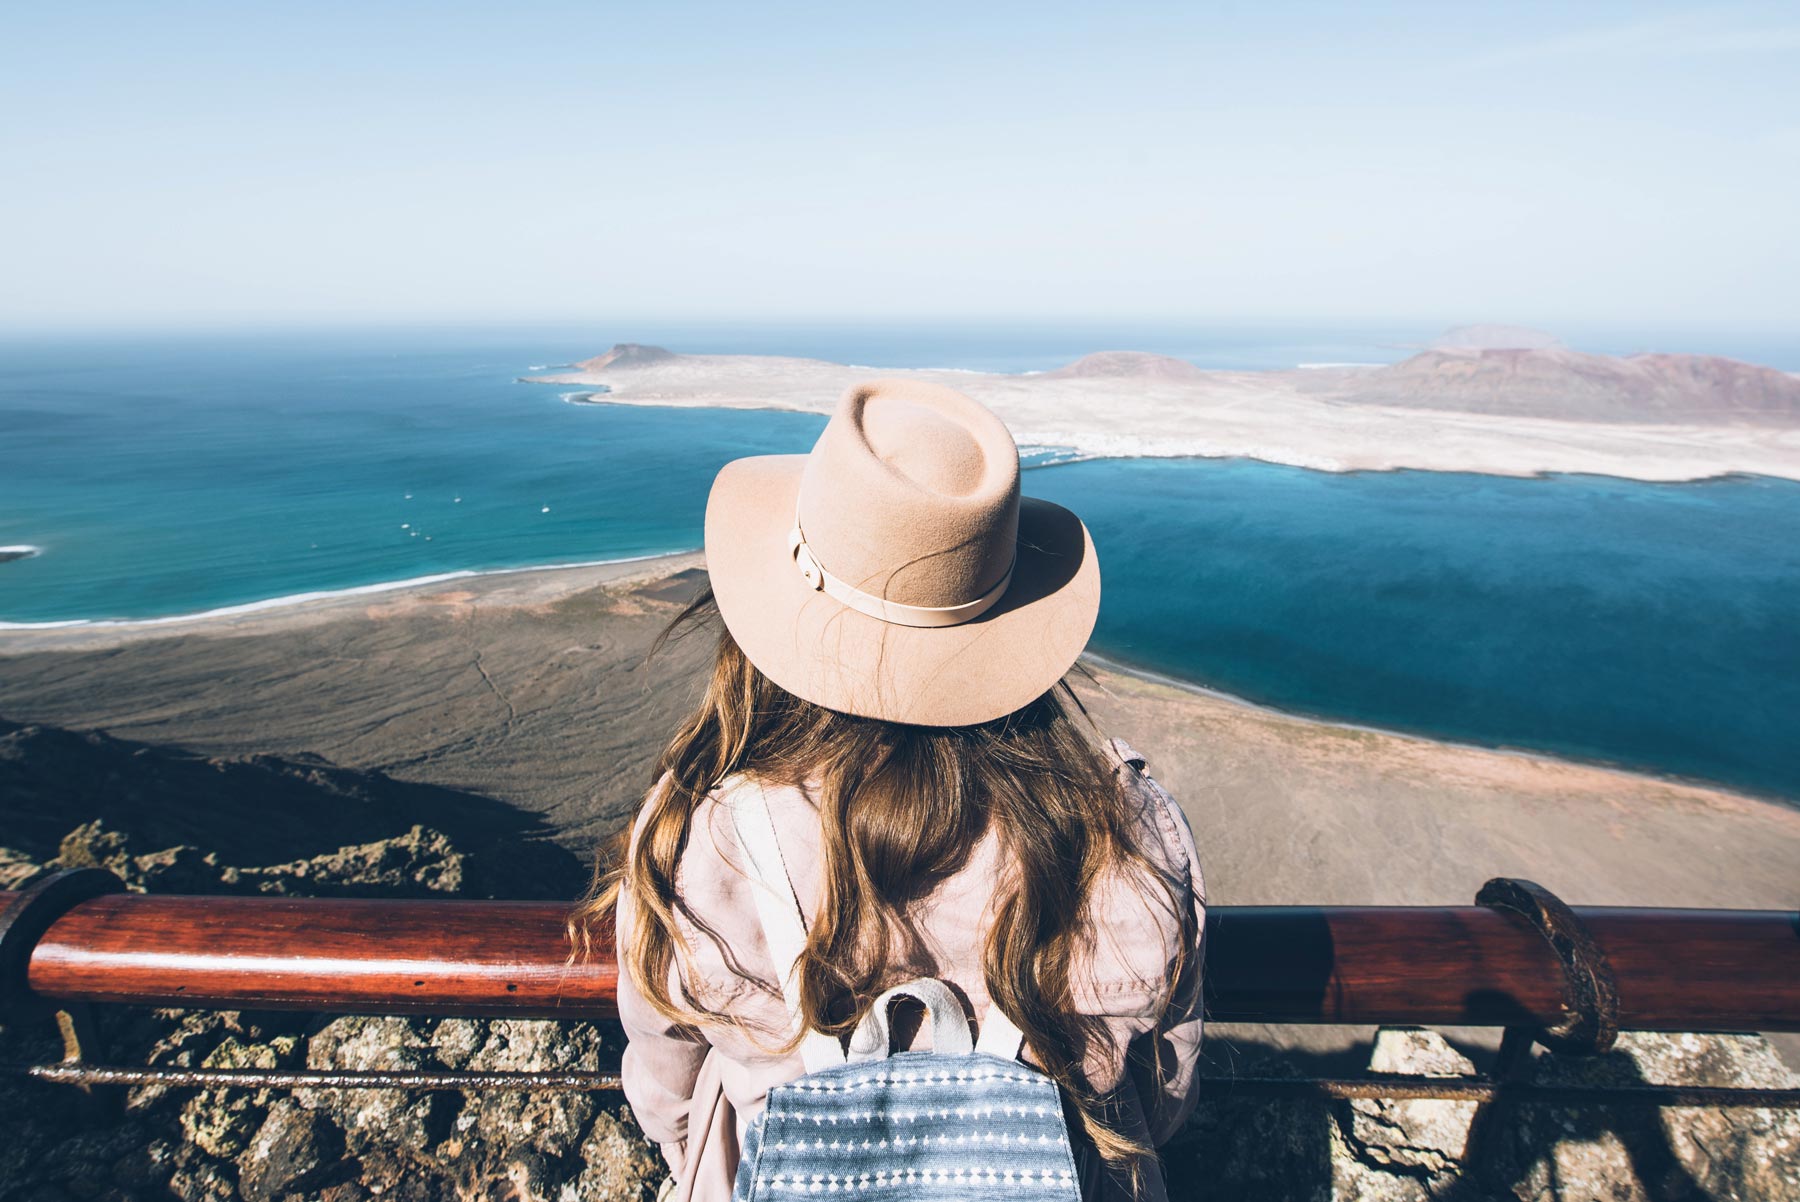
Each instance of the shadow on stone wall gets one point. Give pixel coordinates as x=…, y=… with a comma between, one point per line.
x=1244, y=1148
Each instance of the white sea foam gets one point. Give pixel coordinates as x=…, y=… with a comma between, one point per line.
x=323, y=595
x=21, y=551
x=1051, y=455
x=538, y=367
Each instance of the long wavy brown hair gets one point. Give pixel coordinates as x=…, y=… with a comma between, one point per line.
x=902, y=807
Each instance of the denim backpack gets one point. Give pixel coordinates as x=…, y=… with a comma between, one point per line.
x=967, y=1120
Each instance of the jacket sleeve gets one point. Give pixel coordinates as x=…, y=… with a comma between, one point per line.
x=1164, y=1060
x=662, y=1058
x=661, y=1063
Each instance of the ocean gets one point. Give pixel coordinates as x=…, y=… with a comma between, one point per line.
x=1651, y=626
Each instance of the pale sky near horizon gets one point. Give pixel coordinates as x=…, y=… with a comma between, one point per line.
x=191, y=164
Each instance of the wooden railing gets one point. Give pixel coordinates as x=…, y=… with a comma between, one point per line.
x=1567, y=977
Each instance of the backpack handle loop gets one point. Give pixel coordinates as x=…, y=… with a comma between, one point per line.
x=874, y=1036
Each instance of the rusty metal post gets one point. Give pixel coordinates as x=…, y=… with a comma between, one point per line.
x=80, y=1037
x=82, y=1049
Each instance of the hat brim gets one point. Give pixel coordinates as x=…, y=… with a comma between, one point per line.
x=819, y=649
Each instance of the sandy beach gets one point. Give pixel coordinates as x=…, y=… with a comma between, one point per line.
x=516, y=712
x=529, y=688
x=1130, y=405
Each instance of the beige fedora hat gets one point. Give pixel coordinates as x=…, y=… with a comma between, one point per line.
x=895, y=572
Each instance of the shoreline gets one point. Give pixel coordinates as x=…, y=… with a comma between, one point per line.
x=1527, y=755
x=532, y=689
x=548, y=584
x=1062, y=456
x=534, y=694
x=1057, y=456
x=319, y=596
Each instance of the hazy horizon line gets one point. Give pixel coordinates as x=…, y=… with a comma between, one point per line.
x=939, y=322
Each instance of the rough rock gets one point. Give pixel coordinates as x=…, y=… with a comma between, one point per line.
x=419, y=862
x=294, y=1149
x=1645, y=1155
x=339, y=1145
x=16, y=867
x=1247, y=1149
x=221, y=1122
x=1391, y=1149
x=555, y=1122
x=200, y=1180
x=373, y=1119
x=620, y=1161
x=1637, y=1154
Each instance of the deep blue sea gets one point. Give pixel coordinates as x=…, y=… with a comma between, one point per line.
x=1649, y=625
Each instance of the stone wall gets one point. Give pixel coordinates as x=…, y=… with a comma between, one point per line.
x=313, y=1145
x=329, y=1145
x=1418, y=1151
x=362, y=1145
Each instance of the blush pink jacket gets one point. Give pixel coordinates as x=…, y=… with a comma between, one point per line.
x=694, y=1087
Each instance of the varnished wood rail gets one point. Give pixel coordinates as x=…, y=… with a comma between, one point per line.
x=1670, y=969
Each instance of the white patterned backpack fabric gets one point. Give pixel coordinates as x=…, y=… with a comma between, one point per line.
x=967, y=1120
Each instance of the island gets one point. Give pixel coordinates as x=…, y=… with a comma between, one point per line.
x=1492, y=399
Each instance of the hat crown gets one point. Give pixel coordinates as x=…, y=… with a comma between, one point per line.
x=912, y=494
x=924, y=446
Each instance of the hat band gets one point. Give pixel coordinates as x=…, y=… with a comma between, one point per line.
x=880, y=607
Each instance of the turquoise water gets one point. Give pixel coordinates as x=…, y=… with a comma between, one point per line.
x=164, y=481
x=1646, y=625
x=1650, y=625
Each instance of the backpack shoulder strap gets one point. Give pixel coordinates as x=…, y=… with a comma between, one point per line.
x=778, y=909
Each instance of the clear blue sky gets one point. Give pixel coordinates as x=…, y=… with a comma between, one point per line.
x=186, y=164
